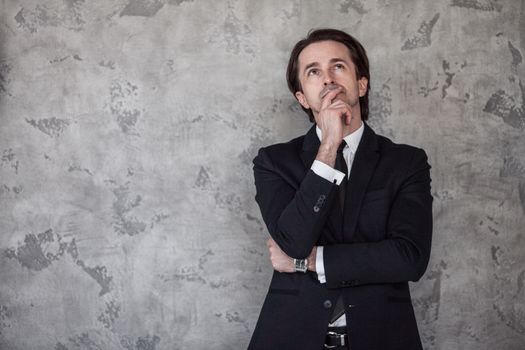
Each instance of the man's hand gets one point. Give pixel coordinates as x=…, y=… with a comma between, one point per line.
x=333, y=116
x=282, y=262
x=331, y=119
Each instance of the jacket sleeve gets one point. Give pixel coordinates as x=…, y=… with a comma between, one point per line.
x=403, y=256
x=294, y=210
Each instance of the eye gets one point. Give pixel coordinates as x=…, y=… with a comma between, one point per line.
x=312, y=72
x=339, y=66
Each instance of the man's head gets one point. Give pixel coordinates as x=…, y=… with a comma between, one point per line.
x=329, y=57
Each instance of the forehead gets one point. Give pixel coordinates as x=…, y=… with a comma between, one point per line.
x=322, y=52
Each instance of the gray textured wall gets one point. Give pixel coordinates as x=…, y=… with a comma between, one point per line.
x=127, y=131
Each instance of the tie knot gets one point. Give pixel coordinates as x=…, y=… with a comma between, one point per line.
x=341, y=146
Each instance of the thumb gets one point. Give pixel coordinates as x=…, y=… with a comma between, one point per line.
x=328, y=98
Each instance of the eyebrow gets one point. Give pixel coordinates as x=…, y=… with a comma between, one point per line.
x=316, y=64
x=310, y=65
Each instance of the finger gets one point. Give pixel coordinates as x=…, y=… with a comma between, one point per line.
x=338, y=102
x=341, y=111
x=348, y=117
x=344, y=108
x=327, y=99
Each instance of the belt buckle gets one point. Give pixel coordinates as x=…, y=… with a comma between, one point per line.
x=341, y=340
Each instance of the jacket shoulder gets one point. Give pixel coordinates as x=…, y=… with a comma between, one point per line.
x=280, y=152
x=401, y=152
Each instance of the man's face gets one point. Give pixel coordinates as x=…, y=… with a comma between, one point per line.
x=324, y=63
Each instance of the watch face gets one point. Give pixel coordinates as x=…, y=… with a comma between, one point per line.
x=300, y=265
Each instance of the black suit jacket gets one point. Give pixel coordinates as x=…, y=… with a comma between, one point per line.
x=371, y=250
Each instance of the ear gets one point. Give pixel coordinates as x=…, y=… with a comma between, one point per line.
x=302, y=99
x=363, y=84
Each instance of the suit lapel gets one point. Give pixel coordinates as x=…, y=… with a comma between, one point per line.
x=363, y=167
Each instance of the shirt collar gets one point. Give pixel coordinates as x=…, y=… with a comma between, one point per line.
x=352, y=140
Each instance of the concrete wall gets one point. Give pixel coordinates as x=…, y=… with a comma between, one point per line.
x=127, y=130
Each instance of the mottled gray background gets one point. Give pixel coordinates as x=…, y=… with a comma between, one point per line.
x=127, y=132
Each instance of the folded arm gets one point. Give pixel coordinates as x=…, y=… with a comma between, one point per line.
x=295, y=212
x=403, y=255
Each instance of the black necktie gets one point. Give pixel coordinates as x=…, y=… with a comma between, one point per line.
x=340, y=164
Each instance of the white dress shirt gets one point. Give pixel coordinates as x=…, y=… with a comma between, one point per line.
x=352, y=141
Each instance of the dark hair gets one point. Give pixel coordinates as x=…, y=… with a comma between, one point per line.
x=357, y=54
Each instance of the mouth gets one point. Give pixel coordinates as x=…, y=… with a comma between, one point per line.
x=329, y=88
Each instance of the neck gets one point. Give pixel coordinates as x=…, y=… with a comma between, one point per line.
x=352, y=127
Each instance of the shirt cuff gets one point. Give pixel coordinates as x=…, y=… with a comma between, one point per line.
x=327, y=172
x=319, y=264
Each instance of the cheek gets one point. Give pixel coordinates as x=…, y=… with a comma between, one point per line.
x=312, y=90
x=311, y=93
x=313, y=99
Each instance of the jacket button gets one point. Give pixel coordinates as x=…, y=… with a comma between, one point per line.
x=327, y=304
x=316, y=209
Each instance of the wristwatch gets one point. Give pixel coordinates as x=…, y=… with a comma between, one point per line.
x=301, y=265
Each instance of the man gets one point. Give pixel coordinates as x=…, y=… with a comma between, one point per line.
x=349, y=213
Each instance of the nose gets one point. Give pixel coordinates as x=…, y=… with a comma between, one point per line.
x=328, y=80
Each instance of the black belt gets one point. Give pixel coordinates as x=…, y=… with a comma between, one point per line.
x=335, y=337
